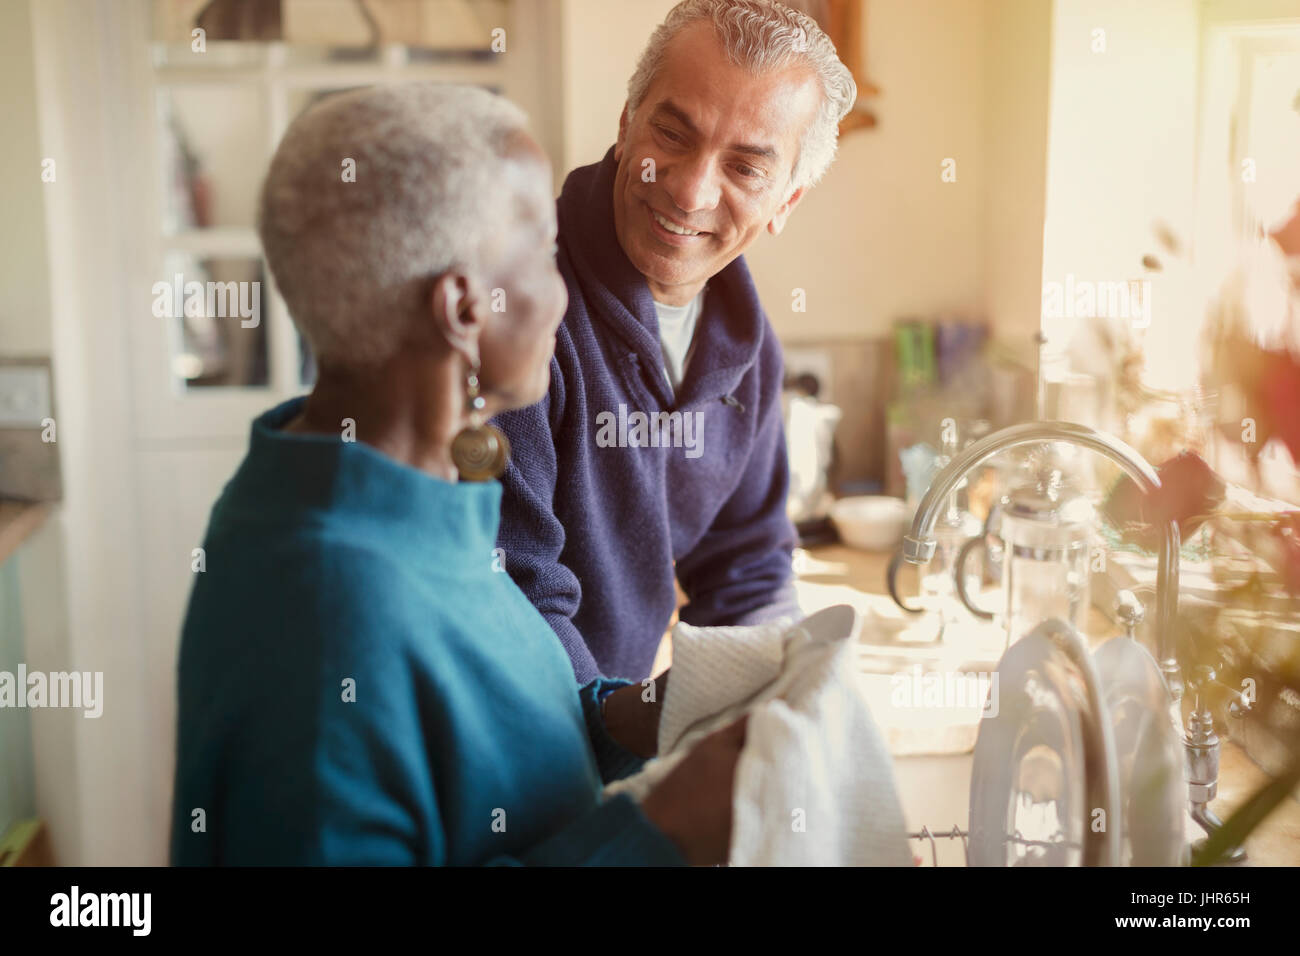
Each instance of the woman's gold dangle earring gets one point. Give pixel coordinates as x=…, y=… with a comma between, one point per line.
x=479, y=450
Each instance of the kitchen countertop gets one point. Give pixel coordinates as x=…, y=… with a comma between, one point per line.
x=858, y=575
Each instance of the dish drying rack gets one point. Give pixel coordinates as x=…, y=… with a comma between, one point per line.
x=925, y=835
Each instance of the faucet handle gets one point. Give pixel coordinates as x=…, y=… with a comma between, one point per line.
x=1129, y=610
x=1202, y=676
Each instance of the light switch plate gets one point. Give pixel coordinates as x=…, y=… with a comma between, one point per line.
x=25, y=399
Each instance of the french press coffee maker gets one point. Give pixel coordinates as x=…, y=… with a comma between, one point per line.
x=1042, y=530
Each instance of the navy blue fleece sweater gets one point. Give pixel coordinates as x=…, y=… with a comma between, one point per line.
x=591, y=530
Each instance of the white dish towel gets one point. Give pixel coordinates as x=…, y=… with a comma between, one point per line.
x=814, y=783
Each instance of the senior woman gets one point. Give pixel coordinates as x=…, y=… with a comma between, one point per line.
x=358, y=682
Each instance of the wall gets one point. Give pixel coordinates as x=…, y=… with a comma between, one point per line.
x=1018, y=65
x=24, y=271
x=1122, y=155
x=601, y=42
x=882, y=237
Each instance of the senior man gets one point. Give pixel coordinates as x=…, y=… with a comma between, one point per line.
x=659, y=450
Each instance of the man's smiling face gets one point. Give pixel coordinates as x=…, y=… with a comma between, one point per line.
x=724, y=143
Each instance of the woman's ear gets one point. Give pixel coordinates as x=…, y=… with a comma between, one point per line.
x=456, y=315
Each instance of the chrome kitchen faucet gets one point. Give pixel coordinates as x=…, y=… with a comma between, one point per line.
x=919, y=545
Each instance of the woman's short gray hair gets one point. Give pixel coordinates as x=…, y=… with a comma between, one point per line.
x=371, y=194
x=761, y=36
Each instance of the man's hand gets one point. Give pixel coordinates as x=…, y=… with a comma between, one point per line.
x=631, y=715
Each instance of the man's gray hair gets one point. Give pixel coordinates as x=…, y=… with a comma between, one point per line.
x=761, y=36
x=353, y=256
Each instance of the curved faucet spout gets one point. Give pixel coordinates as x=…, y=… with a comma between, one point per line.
x=919, y=545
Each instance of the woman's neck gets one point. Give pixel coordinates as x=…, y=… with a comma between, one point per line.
x=409, y=408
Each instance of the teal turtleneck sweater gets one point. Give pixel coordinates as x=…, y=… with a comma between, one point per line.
x=359, y=684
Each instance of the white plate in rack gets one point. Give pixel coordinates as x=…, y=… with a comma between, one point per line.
x=1044, y=783
x=1044, y=761
x=1148, y=753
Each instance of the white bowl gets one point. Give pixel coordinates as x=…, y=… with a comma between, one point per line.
x=870, y=522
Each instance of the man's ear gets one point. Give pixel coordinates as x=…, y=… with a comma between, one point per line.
x=622, y=133
x=456, y=314
x=782, y=214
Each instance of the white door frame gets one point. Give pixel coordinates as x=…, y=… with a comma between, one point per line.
x=83, y=52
